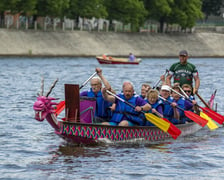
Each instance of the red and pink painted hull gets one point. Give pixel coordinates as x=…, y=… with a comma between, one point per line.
x=82, y=133
x=102, y=60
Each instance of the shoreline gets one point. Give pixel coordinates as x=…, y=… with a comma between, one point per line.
x=88, y=56
x=17, y=43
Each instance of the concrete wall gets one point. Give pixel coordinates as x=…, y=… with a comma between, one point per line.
x=83, y=43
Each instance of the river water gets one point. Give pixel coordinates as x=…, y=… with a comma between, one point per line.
x=31, y=150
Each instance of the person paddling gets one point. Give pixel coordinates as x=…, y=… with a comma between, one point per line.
x=102, y=111
x=125, y=115
x=170, y=111
x=184, y=72
x=157, y=104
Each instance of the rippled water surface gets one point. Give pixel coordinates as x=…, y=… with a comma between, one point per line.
x=31, y=150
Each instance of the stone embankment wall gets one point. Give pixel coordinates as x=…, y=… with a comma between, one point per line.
x=83, y=43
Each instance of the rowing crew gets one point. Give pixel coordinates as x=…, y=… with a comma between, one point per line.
x=116, y=112
x=111, y=111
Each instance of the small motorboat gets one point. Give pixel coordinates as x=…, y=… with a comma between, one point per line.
x=116, y=60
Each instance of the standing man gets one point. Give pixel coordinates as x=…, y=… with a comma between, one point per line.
x=184, y=72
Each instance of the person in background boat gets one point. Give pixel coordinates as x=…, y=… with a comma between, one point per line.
x=144, y=90
x=125, y=115
x=102, y=112
x=132, y=58
x=170, y=110
x=104, y=56
x=156, y=104
x=184, y=72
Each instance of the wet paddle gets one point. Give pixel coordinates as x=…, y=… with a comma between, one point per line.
x=161, y=123
x=83, y=84
x=212, y=114
x=194, y=117
x=207, y=111
x=60, y=107
x=156, y=84
x=211, y=125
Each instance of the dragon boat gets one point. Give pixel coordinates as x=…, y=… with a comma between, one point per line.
x=78, y=127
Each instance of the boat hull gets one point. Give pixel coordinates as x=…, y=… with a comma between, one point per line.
x=96, y=134
x=101, y=60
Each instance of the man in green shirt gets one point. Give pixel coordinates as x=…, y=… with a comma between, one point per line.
x=184, y=72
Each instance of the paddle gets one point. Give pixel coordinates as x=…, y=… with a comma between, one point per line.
x=211, y=125
x=61, y=105
x=161, y=123
x=87, y=80
x=212, y=114
x=156, y=84
x=194, y=117
x=207, y=111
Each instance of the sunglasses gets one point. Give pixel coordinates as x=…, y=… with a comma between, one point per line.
x=187, y=91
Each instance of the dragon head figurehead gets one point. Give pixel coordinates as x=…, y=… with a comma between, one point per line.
x=44, y=105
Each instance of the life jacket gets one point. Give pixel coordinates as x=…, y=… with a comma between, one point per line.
x=102, y=106
x=142, y=97
x=158, y=103
x=126, y=112
x=191, y=97
x=168, y=110
x=188, y=104
x=181, y=103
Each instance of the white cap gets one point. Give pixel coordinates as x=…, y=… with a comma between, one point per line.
x=165, y=87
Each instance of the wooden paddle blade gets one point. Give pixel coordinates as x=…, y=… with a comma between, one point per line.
x=173, y=129
x=162, y=124
x=211, y=125
x=194, y=117
x=59, y=107
x=214, y=115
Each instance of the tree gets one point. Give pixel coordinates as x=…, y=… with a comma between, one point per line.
x=53, y=8
x=87, y=8
x=182, y=12
x=185, y=13
x=26, y=7
x=212, y=7
x=159, y=10
x=127, y=11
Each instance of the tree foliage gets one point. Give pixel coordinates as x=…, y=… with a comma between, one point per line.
x=185, y=13
x=212, y=7
x=159, y=10
x=26, y=7
x=182, y=12
x=87, y=8
x=53, y=8
x=127, y=11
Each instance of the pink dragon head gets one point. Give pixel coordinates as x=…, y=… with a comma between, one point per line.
x=43, y=106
